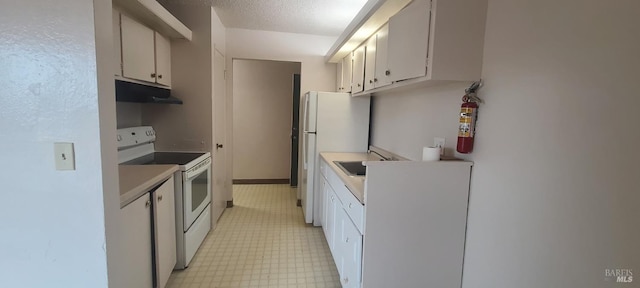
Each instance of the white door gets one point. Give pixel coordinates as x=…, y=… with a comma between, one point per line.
x=138, y=59
x=409, y=41
x=347, y=74
x=370, y=63
x=308, y=174
x=358, y=70
x=219, y=188
x=382, y=44
x=308, y=154
x=196, y=193
x=163, y=60
x=135, y=236
x=165, y=230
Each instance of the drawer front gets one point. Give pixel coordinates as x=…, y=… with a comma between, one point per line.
x=353, y=207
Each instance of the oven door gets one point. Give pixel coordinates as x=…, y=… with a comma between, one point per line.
x=196, y=191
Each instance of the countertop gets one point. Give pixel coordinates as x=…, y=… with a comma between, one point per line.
x=135, y=180
x=354, y=183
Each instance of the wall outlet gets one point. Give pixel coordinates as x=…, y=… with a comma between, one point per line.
x=439, y=142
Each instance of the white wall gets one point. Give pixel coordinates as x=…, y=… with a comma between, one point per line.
x=262, y=115
x=187, y=127
x=309, y=50
x=128, y=114
x=554, y=195
x=53, y=222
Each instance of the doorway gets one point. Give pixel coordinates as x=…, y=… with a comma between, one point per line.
x=263, y=121
x=295, y=131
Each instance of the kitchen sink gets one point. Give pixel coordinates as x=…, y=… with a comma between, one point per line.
x=352, y=168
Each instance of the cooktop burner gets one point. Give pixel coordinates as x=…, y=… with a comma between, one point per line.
x=179, y=158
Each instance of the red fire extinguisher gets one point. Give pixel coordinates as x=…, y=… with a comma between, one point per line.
x=468, y=117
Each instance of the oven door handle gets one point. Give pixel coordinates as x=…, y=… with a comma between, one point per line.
x=198, y=169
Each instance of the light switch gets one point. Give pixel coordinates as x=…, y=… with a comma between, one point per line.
x=65, y=158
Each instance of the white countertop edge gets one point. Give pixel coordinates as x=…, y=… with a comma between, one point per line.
x=144, y=184
x=355, y=184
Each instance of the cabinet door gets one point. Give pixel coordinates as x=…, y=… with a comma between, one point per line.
x=326, y=205
x=135, y=240
x=163, y=60
x=347, y=68
x=370, y=63
x=351, y=243
x=165, y=229
x=357, y=83
x=408, y=41
x=117, y=63
x=382, y=43
x=339, y=77
x=137, y=50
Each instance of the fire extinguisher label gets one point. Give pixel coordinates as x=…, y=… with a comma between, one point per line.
x=467, y=117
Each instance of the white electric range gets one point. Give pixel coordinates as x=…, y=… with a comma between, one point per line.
x=192, y=188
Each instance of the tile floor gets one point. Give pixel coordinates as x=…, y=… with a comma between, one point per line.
x=261, y=242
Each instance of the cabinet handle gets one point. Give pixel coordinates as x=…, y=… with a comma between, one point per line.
x=159, y=197
x=160, y=76
x=359, y=85
x=388, y=72
x=370, y=81
x=346, y=280
x=147, y=204
x=153, y=75
x=346, y=240
x=375, y=79
x=350, y=205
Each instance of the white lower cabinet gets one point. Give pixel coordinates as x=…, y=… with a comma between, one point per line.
x=136, y=258
x=147, y=239
x=351, y=252
x=343, y=237
x=165, y=231
x=411, y=230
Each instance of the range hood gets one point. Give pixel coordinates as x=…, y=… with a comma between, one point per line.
x=138, y=93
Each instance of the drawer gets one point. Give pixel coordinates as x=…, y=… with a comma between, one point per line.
x=333, y=178
x=353, y=207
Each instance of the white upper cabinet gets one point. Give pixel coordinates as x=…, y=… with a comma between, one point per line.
x=427, y=41
x=146, y=55
x=347, y=68
x=357, y=83
x=370, y=63
x=339, y=76
x=163, y=60
x=154, y=15
x=408, y=41
x=380, y=79
x=138, y=59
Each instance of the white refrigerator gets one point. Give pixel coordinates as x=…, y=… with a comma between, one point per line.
x=332, y=122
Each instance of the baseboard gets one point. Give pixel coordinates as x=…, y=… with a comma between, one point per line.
x=230, y=204
x=260, y=181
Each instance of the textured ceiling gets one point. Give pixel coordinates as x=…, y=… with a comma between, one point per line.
x=319, y=17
